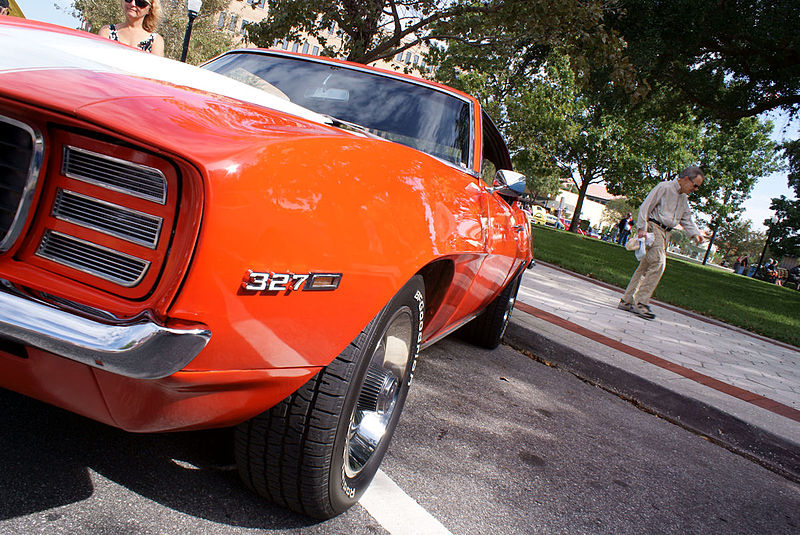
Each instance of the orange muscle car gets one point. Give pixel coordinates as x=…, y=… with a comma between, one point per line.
x=266, y=242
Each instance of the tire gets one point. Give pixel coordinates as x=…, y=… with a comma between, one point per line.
x=317, y=451
x=487, y=329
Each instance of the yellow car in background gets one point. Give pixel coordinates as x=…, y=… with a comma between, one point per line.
x=538, y=215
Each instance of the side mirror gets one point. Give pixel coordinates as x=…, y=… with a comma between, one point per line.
x=508, y=183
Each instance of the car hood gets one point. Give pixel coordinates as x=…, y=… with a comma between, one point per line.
x=31, y=46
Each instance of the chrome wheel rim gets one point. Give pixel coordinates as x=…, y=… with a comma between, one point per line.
x=380, y=392
x=507, y=314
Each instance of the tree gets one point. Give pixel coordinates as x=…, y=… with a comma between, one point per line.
x=727, y=58
x=737, y=238
x=558, y=126
x=367, y=30
x=616, y=210
x=563, y=128
x=206, y=43
x=734, y=157
x=371, y=30
x=786, y=235
x=657, y=141
x=575, y=129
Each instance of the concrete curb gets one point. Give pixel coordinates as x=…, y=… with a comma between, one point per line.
x=776, y=453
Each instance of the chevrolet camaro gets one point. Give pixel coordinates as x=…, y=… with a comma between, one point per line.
x=264, y=243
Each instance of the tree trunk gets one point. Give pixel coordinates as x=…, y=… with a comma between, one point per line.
x=710, y=243
x=576, y=215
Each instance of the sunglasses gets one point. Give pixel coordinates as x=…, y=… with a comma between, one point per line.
x=139, y=3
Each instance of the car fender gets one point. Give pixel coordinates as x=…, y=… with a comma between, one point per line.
x=374, y=211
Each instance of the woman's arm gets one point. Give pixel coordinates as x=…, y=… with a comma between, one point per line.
x=158, y=46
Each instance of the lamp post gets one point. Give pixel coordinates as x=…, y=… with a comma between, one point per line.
x=774, y=220
x=193, y=6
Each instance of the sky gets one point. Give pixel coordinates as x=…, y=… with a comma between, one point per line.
x=756, y=208
x=53, y=11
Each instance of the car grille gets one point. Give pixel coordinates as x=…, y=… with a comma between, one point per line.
x=112, y=219
x=113, y=173
x=91, y=258
x=106, y=214
x=21, y=150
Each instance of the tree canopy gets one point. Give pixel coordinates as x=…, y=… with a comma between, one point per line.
x=734, y=156
x=737, y=238
x=728, y=58
x=366, y=30
x=786, y=233
x=371, y=30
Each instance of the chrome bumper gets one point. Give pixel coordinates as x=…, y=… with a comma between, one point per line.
x=142, y=349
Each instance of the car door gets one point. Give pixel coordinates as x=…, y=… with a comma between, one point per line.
x=504, y=225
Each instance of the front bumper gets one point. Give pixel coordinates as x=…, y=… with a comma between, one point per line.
x=142, y=349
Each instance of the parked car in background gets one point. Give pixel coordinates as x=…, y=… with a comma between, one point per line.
x=539, y=215
x=265, y=243
x=557, y=222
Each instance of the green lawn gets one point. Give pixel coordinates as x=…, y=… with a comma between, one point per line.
x=751, y=304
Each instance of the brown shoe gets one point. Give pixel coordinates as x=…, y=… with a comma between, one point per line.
x=627, y=307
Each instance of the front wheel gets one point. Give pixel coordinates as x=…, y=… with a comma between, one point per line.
x=317, y=451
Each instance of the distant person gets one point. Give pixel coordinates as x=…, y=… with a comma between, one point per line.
x=666, y=206
x=4, y=9
x=624, y=228
x=745, y=266
x=139, y=28
x=771, y=271
x=793, y=276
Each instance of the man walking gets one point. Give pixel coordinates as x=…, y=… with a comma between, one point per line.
x=666, y=206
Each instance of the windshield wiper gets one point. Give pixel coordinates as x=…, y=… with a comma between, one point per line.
x=353, y=127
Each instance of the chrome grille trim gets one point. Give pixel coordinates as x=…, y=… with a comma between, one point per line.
x=113, y=266
x=109, y=218
x=19, y=168
x=115, y=174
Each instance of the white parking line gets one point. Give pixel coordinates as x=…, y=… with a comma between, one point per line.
x=396, y=511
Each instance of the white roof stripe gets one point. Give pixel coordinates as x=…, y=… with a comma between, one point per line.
x=42, y=50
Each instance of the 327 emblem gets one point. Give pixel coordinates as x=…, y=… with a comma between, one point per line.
x=268, y=281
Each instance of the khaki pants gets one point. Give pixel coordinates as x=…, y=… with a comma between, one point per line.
x=651, y=267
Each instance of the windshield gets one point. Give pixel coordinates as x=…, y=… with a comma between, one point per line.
x=415, y=115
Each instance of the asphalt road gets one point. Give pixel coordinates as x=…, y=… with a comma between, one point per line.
x=490, y=442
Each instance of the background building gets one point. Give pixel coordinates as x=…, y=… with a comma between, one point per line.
x=593, y=209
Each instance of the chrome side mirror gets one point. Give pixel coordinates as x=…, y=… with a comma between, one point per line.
x=508, y=183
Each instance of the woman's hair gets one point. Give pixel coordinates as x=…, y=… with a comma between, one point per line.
x=150, y=21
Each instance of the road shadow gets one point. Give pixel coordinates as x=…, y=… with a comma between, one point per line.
x=48, y=456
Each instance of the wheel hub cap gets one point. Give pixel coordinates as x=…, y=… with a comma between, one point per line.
x=379, y=393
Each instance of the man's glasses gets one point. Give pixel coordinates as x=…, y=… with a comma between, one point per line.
x=139, y=3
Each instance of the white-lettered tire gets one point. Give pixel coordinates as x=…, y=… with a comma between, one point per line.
x=317, y=451
x=487, y=329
